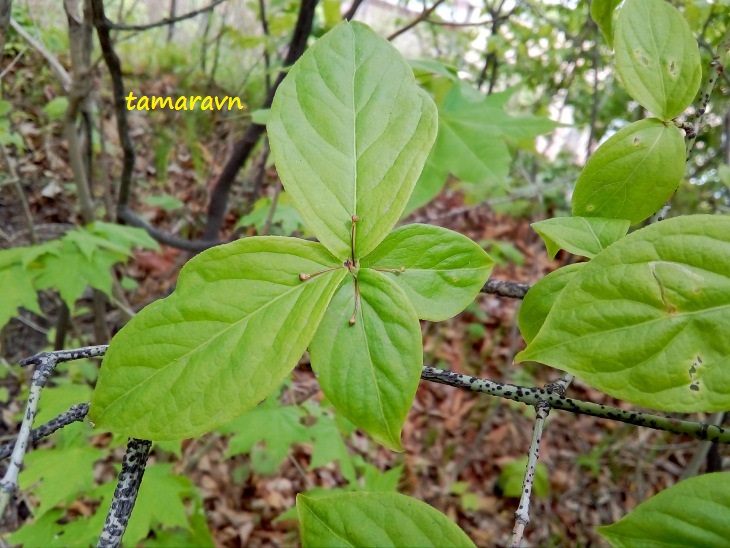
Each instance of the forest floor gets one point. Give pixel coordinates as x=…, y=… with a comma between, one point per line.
x=456, y=443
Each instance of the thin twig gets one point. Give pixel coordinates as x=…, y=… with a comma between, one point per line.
x=350, y=13
x=422, y=17
x=55, y=64
x=76, y=413
x=125, y=495
x=166, y=20
x=532, y=395
x=21, y=194
x=267, y=35
x=542, y=408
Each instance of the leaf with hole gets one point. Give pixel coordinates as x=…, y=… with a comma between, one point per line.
x=694, y=512
x=657, y=56
x=236, y=325
x=632, y=174
x=375, y=519
x=645, y=320
x=584, y=236
x=440, y=271
x=370, y=369
x=350, y=131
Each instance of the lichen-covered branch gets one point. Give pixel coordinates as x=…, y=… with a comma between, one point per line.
x=76, y=413
x=532, y=395
x=125, y=495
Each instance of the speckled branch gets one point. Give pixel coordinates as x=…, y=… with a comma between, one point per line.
x=76, y=413
x=125, y=495
x=45, y=362
x=532, y=395
x=504, y=288
x=542, y=408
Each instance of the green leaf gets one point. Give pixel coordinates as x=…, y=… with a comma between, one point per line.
x=20, y=291
x=375, y=519
x=72, y=271
x=327, y=443
x=632, y=174
x=694, y=512
x=584, y=236
x=127, y=236
x=160, y=502
x=513, y=474
x=350, y=131
x=646, y=320
x=602, y=13
x=440, y=271
x=471, y=142
x=657, y=57
x=236, y=325
x=540, y=299
x=56, y=489
x=370, y=370
x=56, y=108
x=278, y=426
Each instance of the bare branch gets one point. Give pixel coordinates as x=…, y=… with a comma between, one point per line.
x=165, y=21
x=218, y=204
x=56, y=66
x=350, y=13
x=422, y=17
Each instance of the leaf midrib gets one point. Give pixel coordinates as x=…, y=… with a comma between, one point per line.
x=246, y=318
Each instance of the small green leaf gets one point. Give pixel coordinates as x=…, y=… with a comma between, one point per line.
x=440, y=271
x=236, y=325
x=375, y=519
x=540, y=299
x=584, y=236
x=632, y=174
x=657, y=57
x=513, y=475
x=370, y=370
x=694, y=512
x=602, y=13
x=56, y=108
x=646, y=319
x=350, y=131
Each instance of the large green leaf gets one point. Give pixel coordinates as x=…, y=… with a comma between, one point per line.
x=440, y=271
x=584, y=236
x=350, y=131
x=236, y=325
x=540, y=298
x=370, y=370
x=657, y=56
x=694, y=512
x=375, y=519
x=632, y=174
x=647, y=319
x=602, y=13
